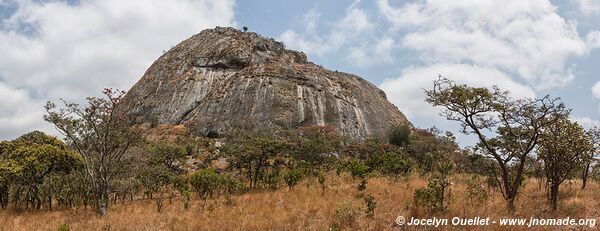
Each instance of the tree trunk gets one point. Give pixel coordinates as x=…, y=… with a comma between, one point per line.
x=554, y=196
x=49, y=201
x=510, y=203
x=584, y=176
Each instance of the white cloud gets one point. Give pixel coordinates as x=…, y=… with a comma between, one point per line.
x=592, y=40
x=596, y=90
x=587, y=122
x=408, y=15
x=343, y=32
x=523, y=38
x=407, y=91
x=588, y=7
x=77, y=50
x=20, y=113
x=366, y=56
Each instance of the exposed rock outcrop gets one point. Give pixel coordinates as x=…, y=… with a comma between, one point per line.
x=223, y=79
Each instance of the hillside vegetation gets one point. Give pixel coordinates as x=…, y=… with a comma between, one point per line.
x=305, y=208
x=532, y=160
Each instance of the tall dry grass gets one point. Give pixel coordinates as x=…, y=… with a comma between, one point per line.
x=305, y=208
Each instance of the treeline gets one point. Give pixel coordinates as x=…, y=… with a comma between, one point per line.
x=104, y=160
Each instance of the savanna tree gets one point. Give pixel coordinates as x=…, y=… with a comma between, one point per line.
x=594, y=134
x=99, y=133
x=161, y=169
x=515, y=125
x=399, y=135
x=28, y=163
x=256, y=156
x=564, y=148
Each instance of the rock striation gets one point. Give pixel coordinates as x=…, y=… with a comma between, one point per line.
x=223, y=80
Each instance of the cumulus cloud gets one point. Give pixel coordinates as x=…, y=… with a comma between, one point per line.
x=592, y=40
x=588, y=7
x=347, y=32
x=596, y=90
x=408, y=15
x=55, y=49
x=521, y=46
x=19, y=112
x=587, y=122
x=366, y=56
x=408, y=91
x=523, y=38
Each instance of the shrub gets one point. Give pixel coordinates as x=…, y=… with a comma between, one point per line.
x=370, y=204
x=63, y=227
x=182, y=185
x=292, y=177
x=393, y=164
x=190, y=149
x=345, y=215
x=357, y=169
x=362, y=186
x=432, y=198
x=230, y=185
x=206, y=183
x=272, y=179
x=399, y=135
x=476, y=191
x=321, y=177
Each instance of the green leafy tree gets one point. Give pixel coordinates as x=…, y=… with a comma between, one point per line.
x=161, y=170
x=564, y=148
x=316, y=147
x=399, y=135
x=428, y=146
x=358, y=169
x=434, y=196
x=206, y=183
x=256, y=156
x=517, y=125
x=594, y=136
x=292, y=177
x=29, y=162
x=393, y=164
x=169, y=156
x=99, y=133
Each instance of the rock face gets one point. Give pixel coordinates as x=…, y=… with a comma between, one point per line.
x=222, y=80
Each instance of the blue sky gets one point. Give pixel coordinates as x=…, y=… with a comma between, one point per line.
x=60, y=49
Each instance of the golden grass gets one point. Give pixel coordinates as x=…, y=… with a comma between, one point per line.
x=304, y=208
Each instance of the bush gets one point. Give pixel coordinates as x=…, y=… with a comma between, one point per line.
x=432, y=198
x=345, y=215
x=230, y=185
x=358, y=169
x=362, y=186
x=181, y=183
x=292, y=177
x=476, y=191
x=399, y=135
x=272, y=179
x=370, y=205
x=393, y=164
x=206, y=183
x=63, y=227
x=190, y=149
x=321, y=177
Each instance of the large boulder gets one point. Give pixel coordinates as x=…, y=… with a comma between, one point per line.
x=223, y=80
